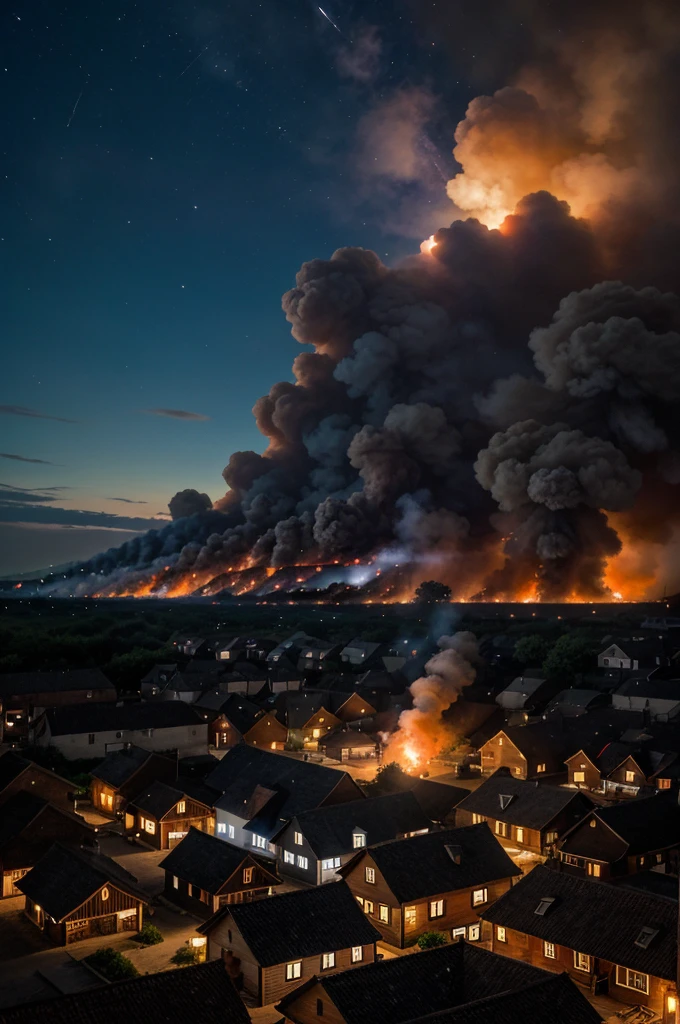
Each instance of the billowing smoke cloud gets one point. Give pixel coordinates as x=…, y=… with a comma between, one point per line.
x=502, y=408
x=422, y=732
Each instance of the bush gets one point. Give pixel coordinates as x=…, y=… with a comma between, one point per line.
x=430, y=940
x=185, y=956
x=431, y=592
x=149, y=935
x=112, y=964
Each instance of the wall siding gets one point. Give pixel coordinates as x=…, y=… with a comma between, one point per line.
x=41, y=783
x=500, y=752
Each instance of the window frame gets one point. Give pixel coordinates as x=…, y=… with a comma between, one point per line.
x=369, y=875
x=410, y=916
x=579, y=959
x=327, y=966
x=547, y=947
x=357, y=954
x=294, y=970
x=247, y=876
x=436, y=913
x=384, y=913
x=288, y=857
x=221, y=828
x=302, y=862
x=181, y=806
x=625, y=984
x=629, y=777
x=501, y=933
x=501, y=829
x=358, y=840
x=298, y=839
x=519, y=833
x=474, y=932
x=369, y=907
x=484, y=893
x=579, y=776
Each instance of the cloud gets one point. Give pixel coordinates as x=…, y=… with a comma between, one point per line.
x=22, y=410
x=177, y=414
x=24, y=458
x=361, y=59
x=29, y=495
x=27, y=508
x=129, y=501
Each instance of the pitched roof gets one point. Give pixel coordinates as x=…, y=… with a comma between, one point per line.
x=157, y=799
x=294, y=785
x=328, y=830
x=520, y=802
x=439, y=862
x=536, y=1003
x=64, y=878
x=208, y=861
x=592, y=917
x=437, y=799
x=12, y=765
x=22, y=809
x=339, y=738
x=651, y=823
x=242, y=713
x=120, y=765
x=306, y=922
x=105, y=717
x=650, y=689
x=392, y=991
x=204, y=992
x=16, y=683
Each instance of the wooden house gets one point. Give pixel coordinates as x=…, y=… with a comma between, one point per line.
x=203, y=992
x=19, y=775
x=610, y=939
x=313, y=845
x=657, y=694
x=624, y=838
x=25, y=695
x=162, y=815
x=622, y=769
x=455, y=984
x=440, y=881
x=29, y=825
x=273, y=946
x=204, y=874
x=124, y=773
x=349, y=745
x=529, y=751
x=263, y=790
x=523, y=814
x=239, y=720
x=73, y=895
x=526, y=692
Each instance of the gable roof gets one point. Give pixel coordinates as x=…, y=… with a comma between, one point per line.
x=391, y=991
x=328, y=830
x=240, y=712
x=107, y=717
x=424, y=866
x=22, y=809
x=66, y=878
x=157, y=799
x=120, y=765
x=294, y=785
x=15, y=684
x=520, y=802
x=306, y=922
x=208, y=861
x=12, y=765
x=203, y=992
x=437, y=799
x=592, y=917
x=644, y=825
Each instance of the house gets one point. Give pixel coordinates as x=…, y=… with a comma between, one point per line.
x=262, y=790
x=204, y=992
x=239, y=647
x=188, y=644
x=608, y=938
x=238, y=720
x=438, y=799
x=632, y=653
x=434, y=882
x=314, y=654
x=657, y=694
x=313, y=845
x=288, y=649
x=124, y=773
x=29, y=825
x=348, y=744
x=96, y=729
x=19, y=775
x=624, y=838
x=525, y=692
x=283, y=676
x=25, y=695
x=529, y=751
x=155, y=681
x=162, y=815
x=279, y=943
x=523, y=814
x=72, y=895
x=311, y=714
x=363, y=653
x=185, y=686
x=575, y=702
x=455, y=984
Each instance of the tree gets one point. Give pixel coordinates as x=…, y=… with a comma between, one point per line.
x=569, y=656
x=389, y=778
x=430, y=940
x=432, y=592
x=531, y=650
x=150, y=935
x=112, y=964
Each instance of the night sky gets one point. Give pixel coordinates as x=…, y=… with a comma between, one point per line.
x=168, y=167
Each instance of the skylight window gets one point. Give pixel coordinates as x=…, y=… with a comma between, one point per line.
x=544, y=906
x=646, y=937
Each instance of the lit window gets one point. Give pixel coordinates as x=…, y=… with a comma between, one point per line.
x=501, y=829
x=519, y=835
x=663, y=783
x=247, y=876
x=384, y=913
x=327, y=961
x=369, y=875
x=360, y=900
x=260, y=842
x=479, y=896
x=368, y=907
x=357, y=954
x=477, y=818
x=540, y=767
x=175, y=882
x=551, y=837
x=501, y=934
x=181, y=806
x=150, y=827
x=630, y=776
x=549, y=950
x=409, y=917
x=582, y=961
x=358, y=840
x=316, y=733
x=294, y=971
x=436, y=908
x=105, y=894
x=474, y=932
x=518, y=770
x=632, y=979
x=221, y=828
x=288, y=857
x=458, y=933
x=579, y=776
x=594, y=869
x=302, y=862
x=330, y=863
x=231, y=831
x=297, y=836
x=500, y=741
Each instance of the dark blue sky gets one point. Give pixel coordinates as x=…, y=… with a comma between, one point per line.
x=168, y=168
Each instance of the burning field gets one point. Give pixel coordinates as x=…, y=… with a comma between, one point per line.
x=497, y=412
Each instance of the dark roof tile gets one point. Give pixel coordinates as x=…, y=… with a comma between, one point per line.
x=103, y=717
x=17, y=683
x=208, y=862
x=520, y=802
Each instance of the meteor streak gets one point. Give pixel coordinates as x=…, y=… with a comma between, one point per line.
x=75, y=107
x=330, y=21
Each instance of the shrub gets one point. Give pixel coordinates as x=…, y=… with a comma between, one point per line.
x=185, y=957
x=112, y=964
x=149, y=935
x=430, y=940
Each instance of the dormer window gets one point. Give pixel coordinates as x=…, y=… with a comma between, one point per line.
x=181, y=806
x=505, y=801
x=358, y=840
x=544, y=906
x=646, y=937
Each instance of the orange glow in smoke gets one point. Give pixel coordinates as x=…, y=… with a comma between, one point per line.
x=428, y=245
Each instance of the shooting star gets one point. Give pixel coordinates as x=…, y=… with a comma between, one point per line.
x=330, y=21
x=75, y=107
x=191, y=64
